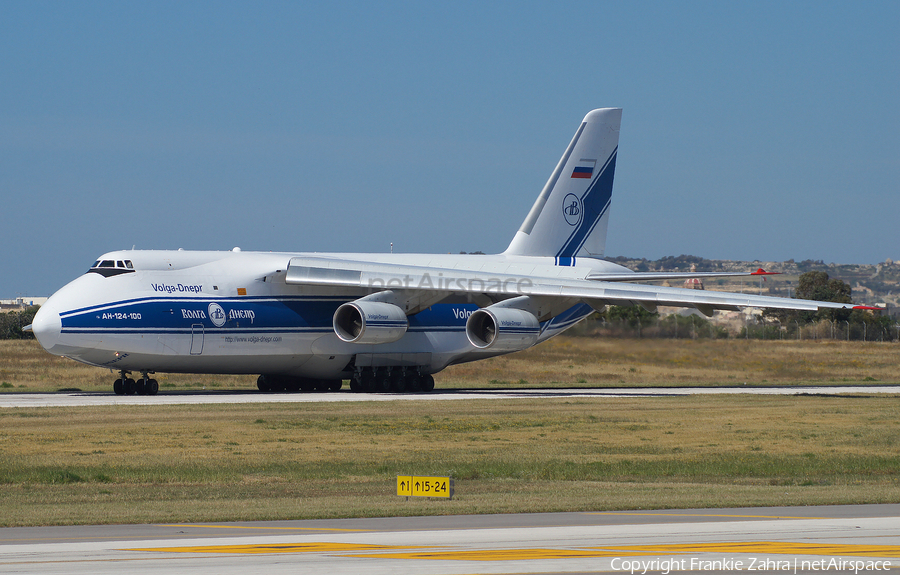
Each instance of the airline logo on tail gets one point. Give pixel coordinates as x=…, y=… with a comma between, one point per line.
x=570, y=216
x=572, y=209
x=594, y=201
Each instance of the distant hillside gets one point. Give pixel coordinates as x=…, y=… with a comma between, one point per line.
x=879, y=283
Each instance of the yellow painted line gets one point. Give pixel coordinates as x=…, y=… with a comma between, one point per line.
x=749, y=548
x=271, y=528
x=501, y=554
x=706, y=515
x=436, y=553
x=777, y=547
x=279, y=548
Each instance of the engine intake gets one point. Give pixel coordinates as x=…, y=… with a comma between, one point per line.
x=502, y=329
x=369, y=322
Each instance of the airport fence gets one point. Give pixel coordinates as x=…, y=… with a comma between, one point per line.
x=674, y=326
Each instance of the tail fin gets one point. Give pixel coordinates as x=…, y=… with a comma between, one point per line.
x=571, y=214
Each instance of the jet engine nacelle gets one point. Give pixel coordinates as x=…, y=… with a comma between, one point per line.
x=502, y=329
x=369, y=322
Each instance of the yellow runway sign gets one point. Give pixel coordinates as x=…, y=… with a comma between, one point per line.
x=415, y=486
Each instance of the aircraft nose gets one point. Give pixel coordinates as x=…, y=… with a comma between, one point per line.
x=47, y=325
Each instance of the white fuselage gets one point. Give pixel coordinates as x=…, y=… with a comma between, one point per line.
x=233, y=312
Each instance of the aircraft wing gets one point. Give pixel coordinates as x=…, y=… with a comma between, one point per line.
x=406, y=278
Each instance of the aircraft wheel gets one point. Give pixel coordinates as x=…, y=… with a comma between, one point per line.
x=367, y=383
x=355, y=384
x=262, y=382
x=152, y=387
x=414, y=382
x=141, y=386
x=335, y=385
x=427, y=383
x=119, y=387
x=399, y=382
x=383, y=383
x=130, y=386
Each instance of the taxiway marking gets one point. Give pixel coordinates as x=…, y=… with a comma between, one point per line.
x=442, y=553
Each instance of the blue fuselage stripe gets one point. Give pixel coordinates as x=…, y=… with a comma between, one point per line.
x=245, y=315
x=182, y=316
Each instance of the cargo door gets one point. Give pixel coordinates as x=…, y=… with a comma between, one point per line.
x=197, y=339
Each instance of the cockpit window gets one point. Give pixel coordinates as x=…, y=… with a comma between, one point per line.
x=109, y=268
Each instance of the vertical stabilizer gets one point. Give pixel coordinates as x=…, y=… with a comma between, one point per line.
x=571, y=214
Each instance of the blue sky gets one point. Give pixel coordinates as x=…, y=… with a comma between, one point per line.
x=758, y=130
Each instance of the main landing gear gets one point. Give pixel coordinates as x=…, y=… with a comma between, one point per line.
x=283, y=383
x=143, y=386
x=390, y=379
x=365, y=380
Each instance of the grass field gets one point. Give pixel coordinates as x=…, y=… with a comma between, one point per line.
x=125, y=464
x=598, y=362
x=562, y=361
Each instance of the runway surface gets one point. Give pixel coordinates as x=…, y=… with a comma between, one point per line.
x=841, y=539
x=69, y=399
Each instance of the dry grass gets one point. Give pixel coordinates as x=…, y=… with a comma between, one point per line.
x=26, y=367
x=244, y=462
x=124, y=464
x=599, y=362
x=562, y=361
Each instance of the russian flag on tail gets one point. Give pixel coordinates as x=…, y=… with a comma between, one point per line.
x=583, y=172
x=584, y=169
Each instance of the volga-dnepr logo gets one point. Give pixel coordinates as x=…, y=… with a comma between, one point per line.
x=572, y=209
x=217, y=314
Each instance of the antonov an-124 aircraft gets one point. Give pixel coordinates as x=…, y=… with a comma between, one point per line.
x=386, y=322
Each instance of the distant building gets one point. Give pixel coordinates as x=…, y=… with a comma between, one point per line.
x=20, y=303
x=694, y=283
